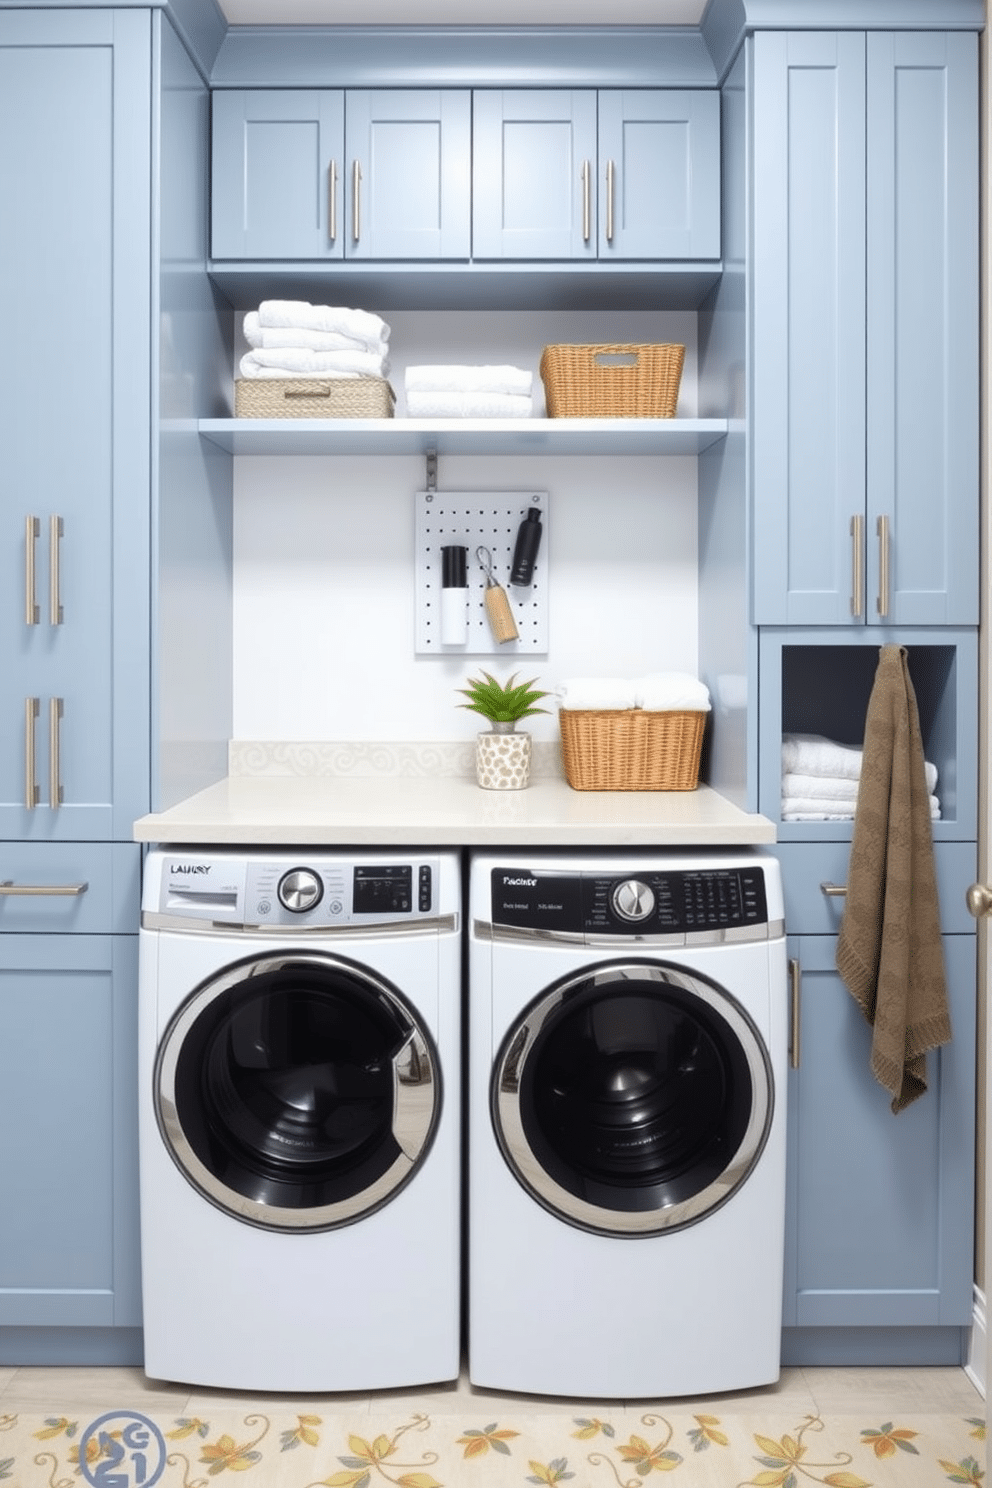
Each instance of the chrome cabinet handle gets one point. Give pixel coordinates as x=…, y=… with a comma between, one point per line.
x=609, y=201
x=31, y=530
x=8, y=889
x=833, y=891
x=586, y=202
x=55, y=794
x=332, y=201
x=356, y=187
x=56, y=531
x=882, y=528
x=31, y=708
x=795, y=1032
x=857, y=566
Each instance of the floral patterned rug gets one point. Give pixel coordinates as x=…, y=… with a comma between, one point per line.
x=125, y=1449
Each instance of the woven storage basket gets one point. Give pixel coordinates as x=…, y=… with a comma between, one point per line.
x=631, y=748
x=612, y=381
x=313, y=397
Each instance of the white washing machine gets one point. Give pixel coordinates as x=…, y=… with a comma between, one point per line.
x=628, y=1038
x=300, y=1118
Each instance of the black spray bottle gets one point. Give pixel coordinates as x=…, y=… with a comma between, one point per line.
x=525, y=550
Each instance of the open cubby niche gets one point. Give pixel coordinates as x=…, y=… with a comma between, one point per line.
x=821, y=683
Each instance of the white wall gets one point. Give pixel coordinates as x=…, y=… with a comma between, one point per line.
x=324, y=558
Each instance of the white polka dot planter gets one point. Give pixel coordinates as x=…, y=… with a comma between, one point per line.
x=502, y=760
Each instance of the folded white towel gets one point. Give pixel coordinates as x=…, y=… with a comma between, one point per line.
x=829, y=787
x=812, y=754
x=264, y=339
x=468, y=405
x=597, y=692
x=671, y=692
x=823, y=808
x=297, y=362
x=362, y=325
x=455, y=378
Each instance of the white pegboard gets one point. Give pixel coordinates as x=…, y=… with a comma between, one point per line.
x=473, y=519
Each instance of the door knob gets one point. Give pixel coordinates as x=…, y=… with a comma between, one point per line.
x=979, y=900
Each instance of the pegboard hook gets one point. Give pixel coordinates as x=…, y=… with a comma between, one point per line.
x=432, y=471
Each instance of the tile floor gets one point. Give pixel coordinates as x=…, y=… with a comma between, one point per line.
x=882, y=1392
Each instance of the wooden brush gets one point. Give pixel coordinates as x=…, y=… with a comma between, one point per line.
x=498, y=611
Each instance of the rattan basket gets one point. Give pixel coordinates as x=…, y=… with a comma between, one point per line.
x=313, y=397
x=631, y=748
x=612, y=381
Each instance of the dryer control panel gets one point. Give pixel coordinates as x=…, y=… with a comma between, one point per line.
x=287, y=891
x=704, y=903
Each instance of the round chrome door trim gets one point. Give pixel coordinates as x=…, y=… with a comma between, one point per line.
x=416, y=1105
x=519, y=1046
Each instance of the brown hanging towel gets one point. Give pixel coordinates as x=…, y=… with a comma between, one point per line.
x=889, y=952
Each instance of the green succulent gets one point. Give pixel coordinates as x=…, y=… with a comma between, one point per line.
x=502, y=703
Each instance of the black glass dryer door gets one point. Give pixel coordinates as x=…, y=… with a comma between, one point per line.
x=297, y=1092
x=632, y=1099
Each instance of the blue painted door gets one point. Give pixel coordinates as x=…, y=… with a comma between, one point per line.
x=879, y=1231
x=659, y=174
x=534, y=174
x=68, y=1133
x=864, y=319
x=278, y=174
x=409, y=174
x=74, y=423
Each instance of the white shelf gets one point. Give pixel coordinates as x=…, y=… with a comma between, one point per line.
x=611, y=436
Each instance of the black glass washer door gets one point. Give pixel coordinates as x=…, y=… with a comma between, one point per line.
x=632, y=1098
x=297, y=1091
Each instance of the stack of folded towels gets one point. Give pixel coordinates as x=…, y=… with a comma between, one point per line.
x=292, y=338
x=452, y=391
x=657, y=692
x=820, y=779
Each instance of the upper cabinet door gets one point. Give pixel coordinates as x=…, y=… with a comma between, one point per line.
x=923, y=324
x=409, y=174
x=865, y=312
x=75, y=177
x=659, y=174
x=534, y=174
x=278, y=167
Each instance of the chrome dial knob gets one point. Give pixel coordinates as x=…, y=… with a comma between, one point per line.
x=299, y=890
x=632, y=900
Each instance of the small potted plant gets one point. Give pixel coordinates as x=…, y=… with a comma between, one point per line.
x=502, y=755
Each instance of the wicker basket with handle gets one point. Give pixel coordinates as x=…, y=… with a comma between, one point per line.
x=638, y=381
x=313, y=397
x=620, y=749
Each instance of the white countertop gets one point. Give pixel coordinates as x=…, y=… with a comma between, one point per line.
x=446, y=810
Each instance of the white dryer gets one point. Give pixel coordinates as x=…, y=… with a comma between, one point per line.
x=628, y=1038
x=299, y=1123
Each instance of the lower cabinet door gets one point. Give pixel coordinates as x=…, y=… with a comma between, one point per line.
x=879, y=1206
x=69, y=1238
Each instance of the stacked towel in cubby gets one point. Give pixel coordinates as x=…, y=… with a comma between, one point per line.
x=292, y=338
x=454, y=391
x=820, y=779
x=657, y=692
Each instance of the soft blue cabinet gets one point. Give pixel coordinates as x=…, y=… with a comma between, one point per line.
x=330, y=174
x=879, y=1238
x=74, y=177
x=865, y=328
x=587, y=174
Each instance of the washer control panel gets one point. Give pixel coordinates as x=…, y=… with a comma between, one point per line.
x=655, y=902
x=288, y=893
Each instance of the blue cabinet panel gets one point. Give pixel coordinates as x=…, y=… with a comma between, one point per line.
x=68, y=1123
x=880, y=1206
x=864, y=322
x=329, y=174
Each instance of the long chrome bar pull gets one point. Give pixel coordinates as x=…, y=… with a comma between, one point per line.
x=356, y=204
x=55, y=793
x=857, y=566
x=31, y=793
x=795, y=989
x=56, y=531
x=586, y=202
x=609, y=200
x=31, y=529
x=332, y=202
x=883, y=566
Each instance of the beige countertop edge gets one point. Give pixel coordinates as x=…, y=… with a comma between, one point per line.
x=449, y=812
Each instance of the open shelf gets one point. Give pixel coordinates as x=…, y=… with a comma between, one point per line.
x=611, y=436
